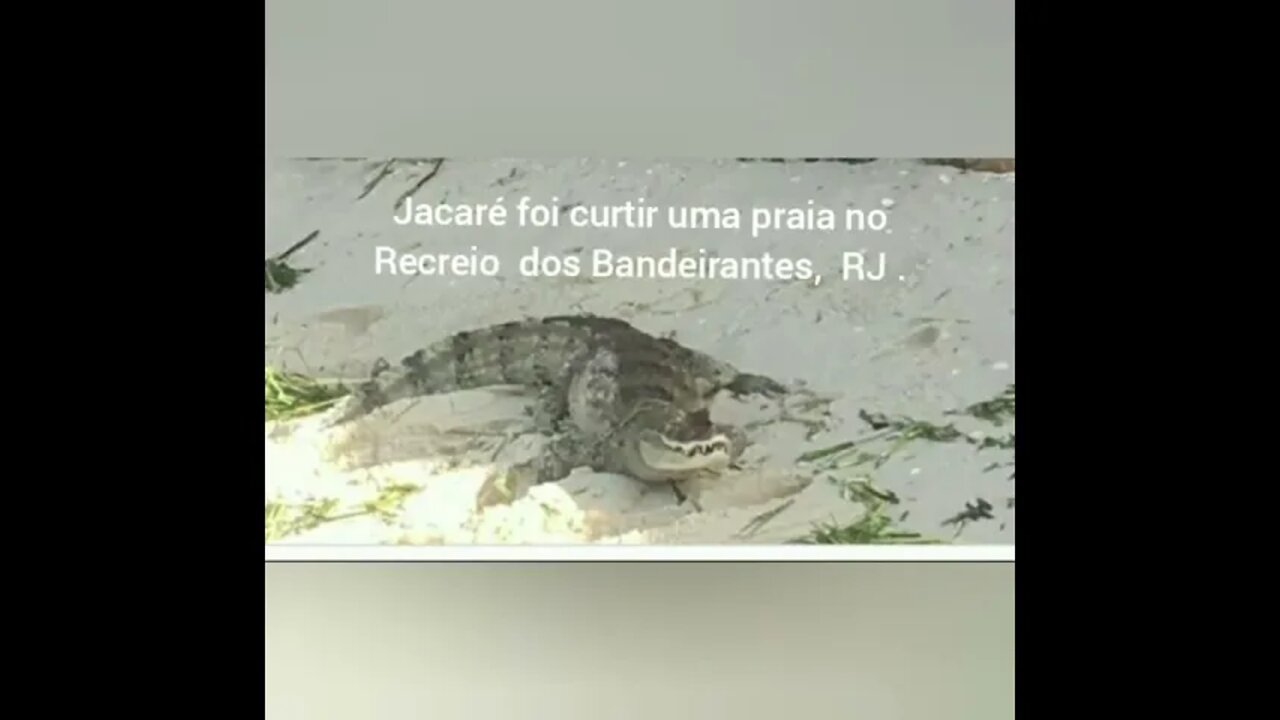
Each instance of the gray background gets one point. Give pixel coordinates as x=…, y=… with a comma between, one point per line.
x=671, y=78
x=892, y=641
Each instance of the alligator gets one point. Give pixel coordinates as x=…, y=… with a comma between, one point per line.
x=610, y=396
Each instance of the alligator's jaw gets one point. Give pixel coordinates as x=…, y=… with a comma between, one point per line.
x=656, y=458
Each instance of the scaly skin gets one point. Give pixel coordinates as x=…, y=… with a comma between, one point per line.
x=615, y=398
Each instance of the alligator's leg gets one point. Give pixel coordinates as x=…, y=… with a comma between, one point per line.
x=748, y=384
x=562, y=455
x=593, y=396
x=550, y=410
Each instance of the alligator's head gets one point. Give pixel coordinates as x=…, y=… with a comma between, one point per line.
x=668, y=445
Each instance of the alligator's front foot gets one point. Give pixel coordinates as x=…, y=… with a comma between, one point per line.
x=561, y=456
x=747, y=384
x=550, y=411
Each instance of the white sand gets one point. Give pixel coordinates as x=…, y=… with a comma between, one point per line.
x=935, y=335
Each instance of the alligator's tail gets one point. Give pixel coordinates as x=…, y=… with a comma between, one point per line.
x=515, y=353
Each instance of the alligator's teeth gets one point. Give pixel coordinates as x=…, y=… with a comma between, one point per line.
x=715, y=444
x=674, y=456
